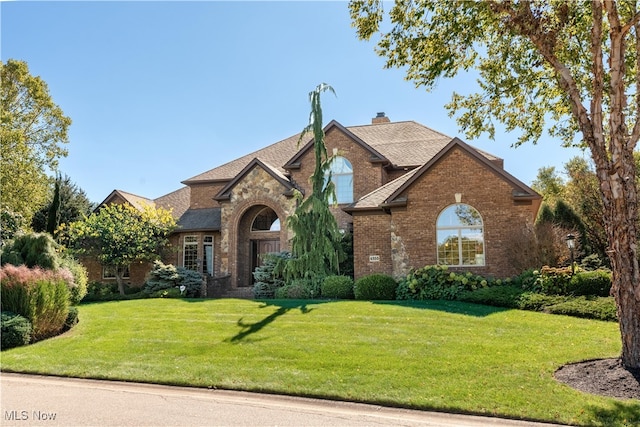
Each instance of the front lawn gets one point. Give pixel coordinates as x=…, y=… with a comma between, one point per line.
x=445, y=356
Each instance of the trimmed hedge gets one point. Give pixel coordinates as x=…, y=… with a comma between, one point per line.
x=337, y=287
x=375, y=287
x=15, y=330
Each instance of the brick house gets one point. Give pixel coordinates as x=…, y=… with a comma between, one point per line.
x=411, y=196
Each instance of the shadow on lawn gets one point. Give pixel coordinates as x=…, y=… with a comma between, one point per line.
x=623, y=413
x=284, y=307
x=453, y=307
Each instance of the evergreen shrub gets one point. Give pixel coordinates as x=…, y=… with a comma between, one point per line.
x=375, y=287
x=498, y=296
x=599, y=308
x=267, y=276
x=297, y=289
x=595, y=283
x=338, y=287
x=15, y=330
x=166, y=276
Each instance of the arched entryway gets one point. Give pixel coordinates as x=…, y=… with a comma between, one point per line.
x=258, y=234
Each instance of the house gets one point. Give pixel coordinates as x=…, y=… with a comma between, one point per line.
x=412, y=197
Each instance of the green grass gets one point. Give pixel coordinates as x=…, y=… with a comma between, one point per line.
x=444, y=356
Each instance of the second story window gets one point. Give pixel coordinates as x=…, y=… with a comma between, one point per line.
x=342, y=178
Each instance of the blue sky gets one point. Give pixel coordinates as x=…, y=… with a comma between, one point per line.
x=161, y=91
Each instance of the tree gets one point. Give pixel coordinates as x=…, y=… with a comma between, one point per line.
x=119, y=234
x=316, y=246
x=53, y=215
x=32, y=132
x=73, y=206
x=576, y=64
x=549, y=184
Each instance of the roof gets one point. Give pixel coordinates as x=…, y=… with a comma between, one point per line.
x=401, y=144
x=207, y=219
x=177, y=201
x=390, y=193
x=271, y=170
x=275, y=154
x=134, y=200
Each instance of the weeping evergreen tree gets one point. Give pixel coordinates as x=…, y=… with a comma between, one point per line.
x=315, y=246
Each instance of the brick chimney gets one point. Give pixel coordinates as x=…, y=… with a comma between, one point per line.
x=380, y=118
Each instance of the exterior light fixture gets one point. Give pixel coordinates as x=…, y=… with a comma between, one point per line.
x=571, y=244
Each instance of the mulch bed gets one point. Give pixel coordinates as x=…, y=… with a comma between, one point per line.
x=604, y=377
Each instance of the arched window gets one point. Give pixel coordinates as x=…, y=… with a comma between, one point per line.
x=266, y=220
x=342, y=178
x=460, y=234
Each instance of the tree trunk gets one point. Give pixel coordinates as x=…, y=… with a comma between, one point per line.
x=119, y=280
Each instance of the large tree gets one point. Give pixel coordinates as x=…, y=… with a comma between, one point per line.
x=119, y=235
x=575, y=64
x=33, y=130
x=72, y=205
x=316, y=244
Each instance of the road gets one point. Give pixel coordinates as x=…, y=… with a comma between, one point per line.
x=29, y=400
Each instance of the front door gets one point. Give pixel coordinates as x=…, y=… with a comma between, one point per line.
x=259, y=248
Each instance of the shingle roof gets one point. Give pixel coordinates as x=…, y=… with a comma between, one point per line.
x=275, y=154
x=403, y=144
x=207, y=219
x=134, y=200
x=177, y=201
x=380, y=195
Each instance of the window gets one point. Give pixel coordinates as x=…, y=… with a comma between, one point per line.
x=342, y=178
x=190, y=253
x=460, y=235
x=266, y=220
x=207, y=265
x=109, y=272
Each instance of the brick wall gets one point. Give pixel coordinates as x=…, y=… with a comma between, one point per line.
x=202, y=195
x=411, y=233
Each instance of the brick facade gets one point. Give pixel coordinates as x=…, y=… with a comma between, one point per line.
x=404, y=175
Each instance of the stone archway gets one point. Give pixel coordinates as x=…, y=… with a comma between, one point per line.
x=259, y=233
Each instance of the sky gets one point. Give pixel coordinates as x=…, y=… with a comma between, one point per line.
x=159, y=92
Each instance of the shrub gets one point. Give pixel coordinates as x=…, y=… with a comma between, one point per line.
x=78, y=286
x=72, y=319
x=166, y=276
x=297, y=289
x=596, y=283
x=339, y=287
x=437, y=282
x=553, y=281
x=539, y=302
x=40, y=296
x=15, y=330
x=166, y=293
x=32, y=250
x=375, y=287
x=600, y=308
x=498, y=296
x=266, y=276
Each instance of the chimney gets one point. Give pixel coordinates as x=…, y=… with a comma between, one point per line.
x=380, y=118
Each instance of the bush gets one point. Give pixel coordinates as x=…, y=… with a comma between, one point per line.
x=77, y=287
x=552, y=281
x=375, y=287
x=166, y=293
x=338, y=287
x=40, y=296
x=32, y=250
x=539, y=302
x=498, y=296
x=591, y=308
x=15, y=330
x=595, y=283
x=72, y=319
x=437, y=282
x=297, y=289
x=267, y=278
x=166, y=276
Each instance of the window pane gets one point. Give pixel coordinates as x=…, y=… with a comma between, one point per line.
x=190, y=253
x=460, y=236
x=342, y=178
x=448, y=248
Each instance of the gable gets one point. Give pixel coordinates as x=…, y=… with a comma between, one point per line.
x=271, y=172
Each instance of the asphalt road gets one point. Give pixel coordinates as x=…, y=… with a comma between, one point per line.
x=28, y=400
